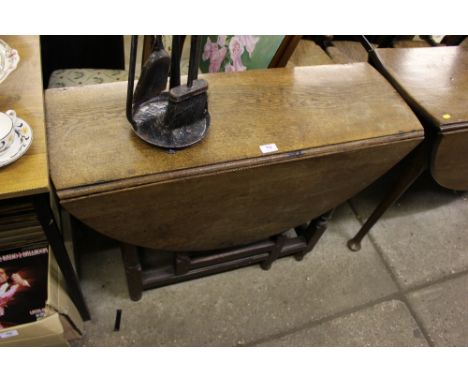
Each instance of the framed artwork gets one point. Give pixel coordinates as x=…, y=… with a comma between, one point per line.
x=234, y=53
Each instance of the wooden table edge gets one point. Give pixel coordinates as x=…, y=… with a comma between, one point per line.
x=83, y=191
x=22, y=193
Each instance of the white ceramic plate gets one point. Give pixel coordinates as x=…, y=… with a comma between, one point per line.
x=21, y=143
x=9, y=59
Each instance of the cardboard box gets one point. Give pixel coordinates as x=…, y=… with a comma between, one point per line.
x=62, y=321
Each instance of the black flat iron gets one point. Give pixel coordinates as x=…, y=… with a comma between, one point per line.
x=172, y=118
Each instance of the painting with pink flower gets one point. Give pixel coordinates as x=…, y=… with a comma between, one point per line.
x=236, y=53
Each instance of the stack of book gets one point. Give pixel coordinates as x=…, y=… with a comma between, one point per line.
x=19, y=226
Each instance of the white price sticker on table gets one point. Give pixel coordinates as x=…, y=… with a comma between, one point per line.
x=11, y=333
x=268, y=148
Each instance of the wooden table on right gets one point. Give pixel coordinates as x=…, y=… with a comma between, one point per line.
x=434, y=82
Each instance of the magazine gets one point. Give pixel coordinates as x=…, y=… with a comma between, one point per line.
x=23, y=285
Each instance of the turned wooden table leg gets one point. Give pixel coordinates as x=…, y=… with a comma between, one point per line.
x=313, y=233
x=133, y=270
x=274, y=254
x=414, y=166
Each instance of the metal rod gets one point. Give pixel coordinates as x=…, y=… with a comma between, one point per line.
x=366, y=44
x=46, y=218
x=195, y=54
x=131, y=78
x=175, y=62
x=118, y=319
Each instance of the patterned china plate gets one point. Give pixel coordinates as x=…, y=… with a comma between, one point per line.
x=21, y=143
x=9, y=59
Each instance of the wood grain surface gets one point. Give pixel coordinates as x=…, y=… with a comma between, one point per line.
x=22, y=91
x=308, y=53
x=337, y=129
x=449, y=165
x=303, y=111
x=343, y=51
x=235, y=207
x=435, y=80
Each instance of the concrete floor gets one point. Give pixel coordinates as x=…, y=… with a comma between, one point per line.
x=408, y=286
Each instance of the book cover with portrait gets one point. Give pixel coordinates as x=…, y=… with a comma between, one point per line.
x=23, y=285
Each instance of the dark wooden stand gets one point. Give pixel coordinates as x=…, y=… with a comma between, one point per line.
x=187, y=266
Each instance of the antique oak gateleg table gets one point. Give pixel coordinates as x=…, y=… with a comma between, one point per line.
x=223, y=203
x=434, y=82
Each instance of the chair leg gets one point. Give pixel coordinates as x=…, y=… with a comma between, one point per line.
x=413, y=167
x=133, y=270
